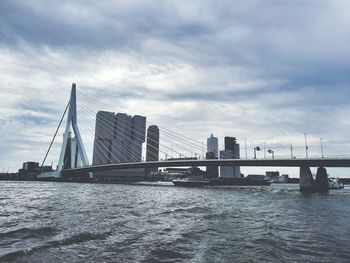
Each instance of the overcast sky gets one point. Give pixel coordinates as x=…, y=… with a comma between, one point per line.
x=266, y=70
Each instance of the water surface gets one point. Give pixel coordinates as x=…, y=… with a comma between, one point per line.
x=69, y=222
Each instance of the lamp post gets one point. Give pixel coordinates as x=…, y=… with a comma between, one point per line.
x=257, y=148
x=306, y=148
x=322, y=156
x=271, y=152
x=291, y=151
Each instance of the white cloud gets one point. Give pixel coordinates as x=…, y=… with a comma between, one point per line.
x=263, y=71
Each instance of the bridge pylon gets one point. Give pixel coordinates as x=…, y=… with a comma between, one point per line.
x=73, y=154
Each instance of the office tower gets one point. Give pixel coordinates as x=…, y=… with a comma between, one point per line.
x=152, y=147
x=212, y=145
x=231, y=152
x=104, y=134
x=118, y=138
x=138, y=127
x=212, y=170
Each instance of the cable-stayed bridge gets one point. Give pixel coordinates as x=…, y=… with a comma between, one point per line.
x=174, y=147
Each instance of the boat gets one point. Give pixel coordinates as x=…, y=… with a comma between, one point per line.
x=191, y=181
x=334, y=184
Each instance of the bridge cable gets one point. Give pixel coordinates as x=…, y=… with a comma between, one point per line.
x=110, y=133
x=176, y=135
x=53, y=139
x=119, y=126
x=171, y=142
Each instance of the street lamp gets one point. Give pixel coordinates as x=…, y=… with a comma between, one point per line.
x=306, y=147
x=271, y=152
x=321, y=148
x=257, y=148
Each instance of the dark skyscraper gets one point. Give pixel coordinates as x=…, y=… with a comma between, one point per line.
x=231, y=152
x=118, y=138
x=230, y=143
x=152, y=147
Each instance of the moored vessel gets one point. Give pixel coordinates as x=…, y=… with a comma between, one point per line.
x=191, y=181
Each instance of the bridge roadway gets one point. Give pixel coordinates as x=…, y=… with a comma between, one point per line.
x=339, y=162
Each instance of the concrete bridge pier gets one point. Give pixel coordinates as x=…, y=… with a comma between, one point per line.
x=307, y=183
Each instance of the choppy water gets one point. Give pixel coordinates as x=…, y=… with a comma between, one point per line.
x=66, y=222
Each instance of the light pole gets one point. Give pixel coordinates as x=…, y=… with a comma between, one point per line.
x=272, y=152
x=257, y=148
x=291, y=151
x=264, y=150
x=322, y=156
x=245, y=144
x=306, y=147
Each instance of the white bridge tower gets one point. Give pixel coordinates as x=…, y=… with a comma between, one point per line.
x=73, y=153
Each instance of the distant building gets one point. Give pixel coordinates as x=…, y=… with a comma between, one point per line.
x=231, y=152
x=232, y=145
x=104, y=135
x=212, y=145
x=118, y=139
x=152, y=147
x=30, y=170
x=212, y=171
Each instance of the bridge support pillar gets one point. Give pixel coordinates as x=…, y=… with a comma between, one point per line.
x=307, y=183
x=73, y=153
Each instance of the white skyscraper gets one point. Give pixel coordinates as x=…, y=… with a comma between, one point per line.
x=212, y=145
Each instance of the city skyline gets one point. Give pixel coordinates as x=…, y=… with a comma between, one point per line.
x=195, y=68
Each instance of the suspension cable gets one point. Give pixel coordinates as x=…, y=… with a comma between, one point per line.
x=53, y=139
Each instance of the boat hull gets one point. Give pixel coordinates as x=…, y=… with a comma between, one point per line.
x=184, y=183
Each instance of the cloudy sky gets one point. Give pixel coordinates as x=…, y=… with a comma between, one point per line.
x=268, y=71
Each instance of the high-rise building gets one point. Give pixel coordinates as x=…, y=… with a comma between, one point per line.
x=212, y=145
x=104, y=135
x=118, y=138
x=212, y=170
x=152, y=147
x=212, y=153
x=231, y=152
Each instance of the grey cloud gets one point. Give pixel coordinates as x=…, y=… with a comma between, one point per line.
x=256, y=62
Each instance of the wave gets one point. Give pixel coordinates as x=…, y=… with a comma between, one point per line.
x=79, y=238
x=30, y=232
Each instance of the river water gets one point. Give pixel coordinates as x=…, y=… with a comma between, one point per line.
x=70, y=222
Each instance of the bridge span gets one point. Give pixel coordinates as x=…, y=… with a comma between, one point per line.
x=340, y=162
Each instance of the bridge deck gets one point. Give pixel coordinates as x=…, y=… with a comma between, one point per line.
x=223, y=162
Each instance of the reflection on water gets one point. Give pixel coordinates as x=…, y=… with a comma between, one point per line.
x=66, y=222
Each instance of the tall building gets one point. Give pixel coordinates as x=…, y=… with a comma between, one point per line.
x=118, y=138
x=104, y=135
x=212, y=145
x=152, y=147
x=231, y=152
x=212, y=153
x=212, y=170
x=231, y=145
